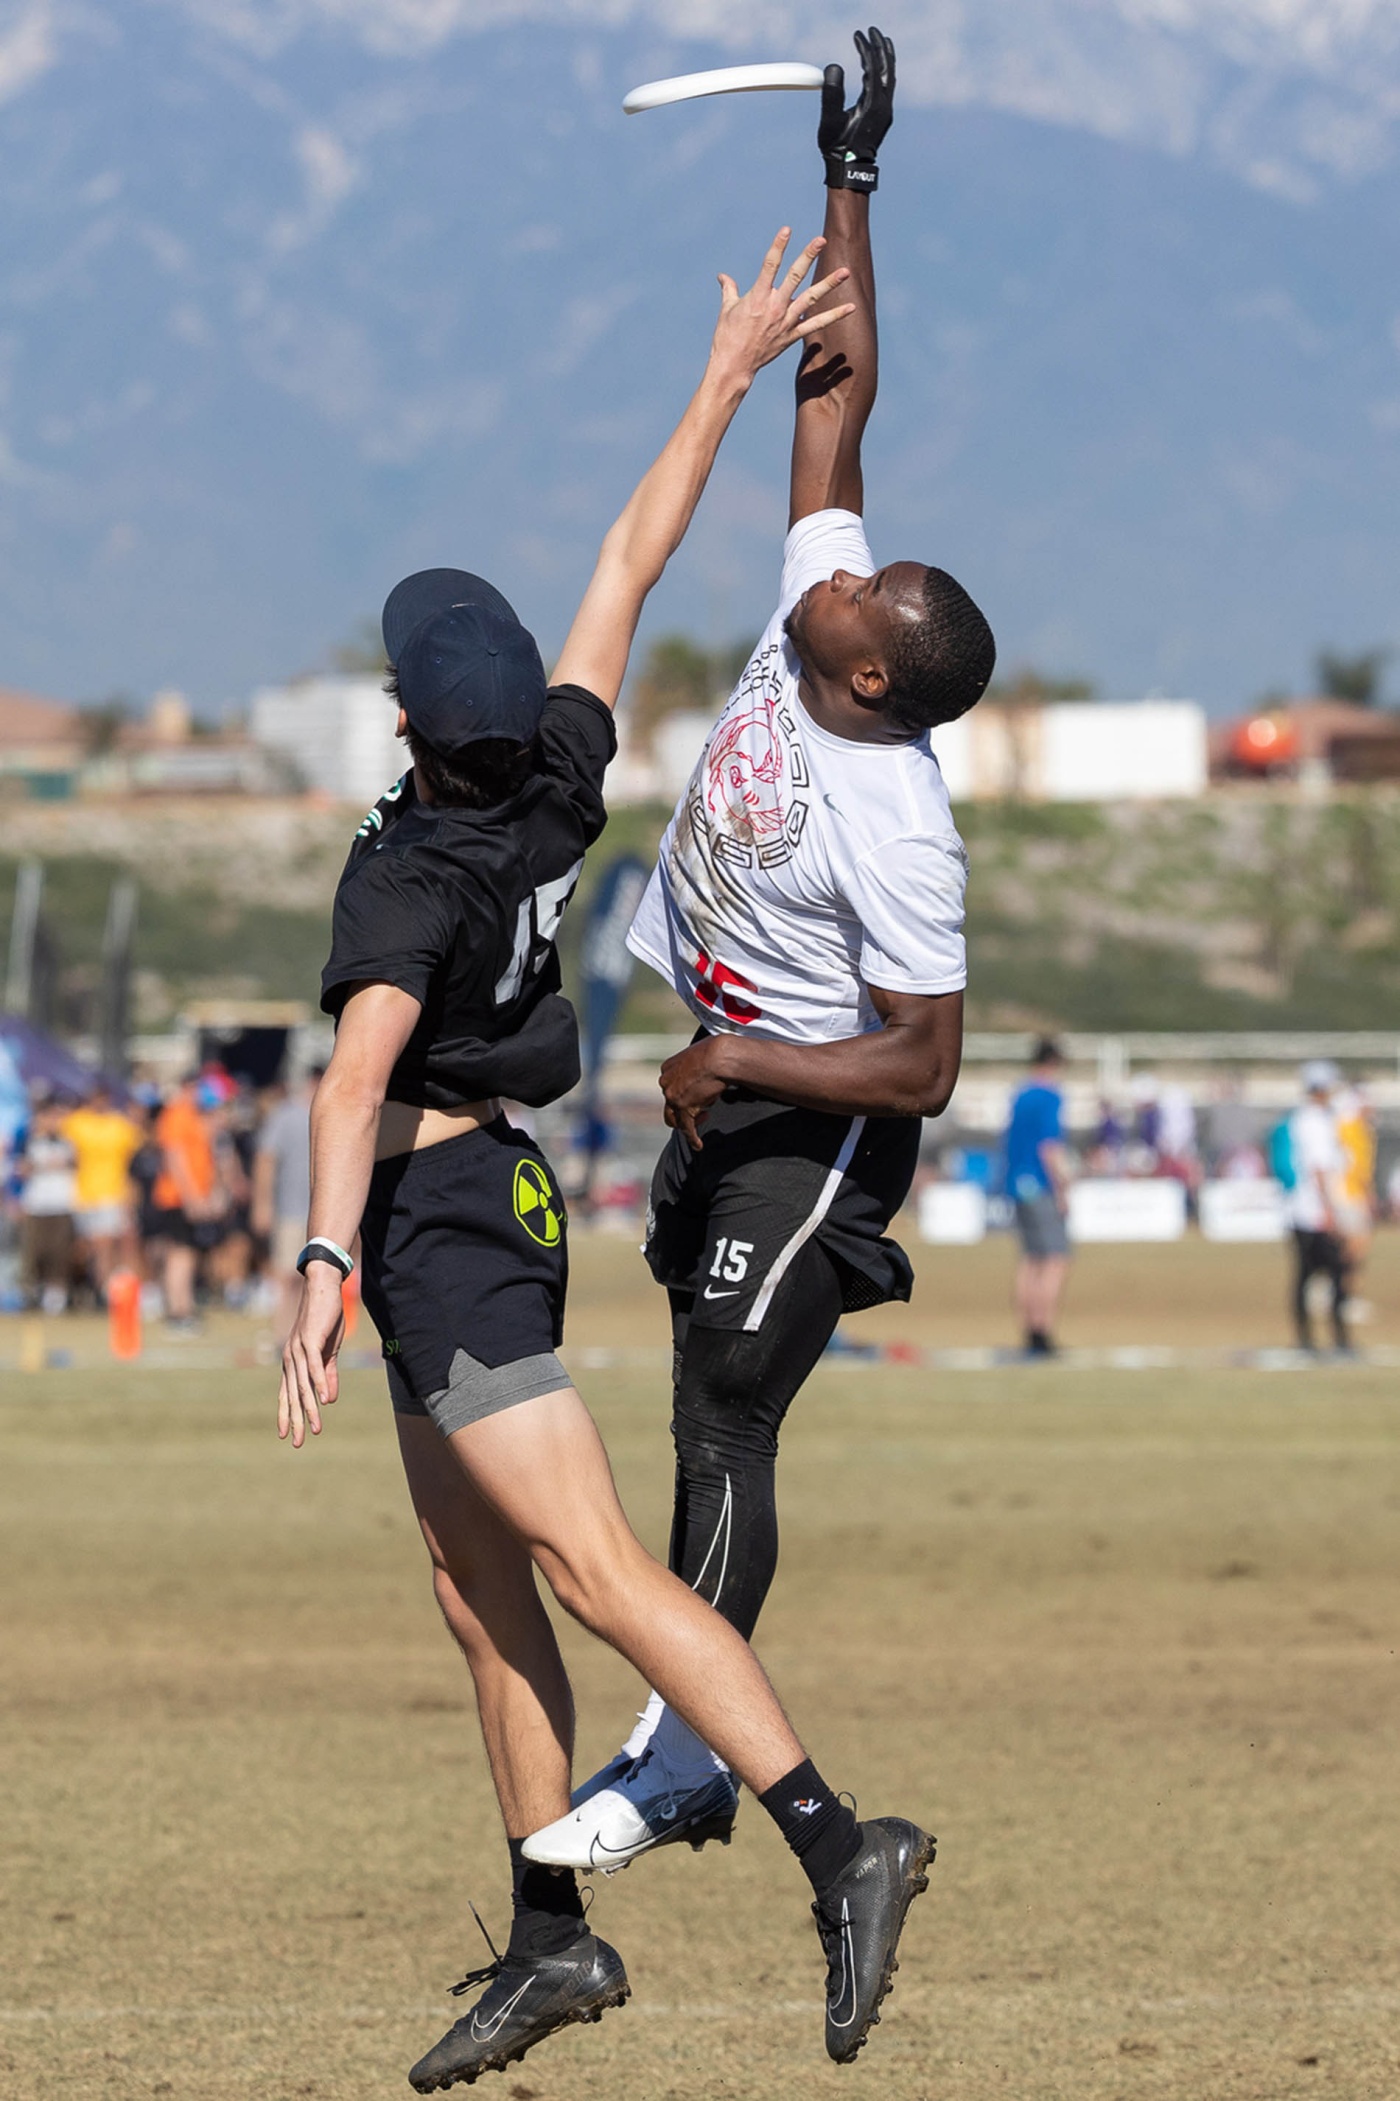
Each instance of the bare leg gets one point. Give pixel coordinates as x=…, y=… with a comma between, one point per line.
x=484, y=1582
x=179, y=1281
x=1048, y=1283
x=1023, y=1294
x=543, y=1468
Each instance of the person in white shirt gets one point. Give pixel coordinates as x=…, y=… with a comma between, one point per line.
x=807, y=905
x=1319, y=1176
x=48, y=1201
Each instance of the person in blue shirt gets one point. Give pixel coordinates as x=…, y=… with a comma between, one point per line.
x=1037, y=1180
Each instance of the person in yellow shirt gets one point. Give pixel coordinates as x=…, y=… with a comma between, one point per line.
x=104, y=1140
x=1356, y=1209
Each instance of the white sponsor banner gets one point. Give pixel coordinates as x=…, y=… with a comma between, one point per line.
x=953, y=1214
x=1127, y=1210
x=1243, y=1210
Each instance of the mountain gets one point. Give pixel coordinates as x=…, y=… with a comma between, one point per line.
x=296, y=295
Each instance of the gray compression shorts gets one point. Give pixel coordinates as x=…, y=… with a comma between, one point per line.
x=474, y=1391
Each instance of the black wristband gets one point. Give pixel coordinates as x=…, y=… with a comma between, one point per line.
x=322, y=1250
x=851, y=174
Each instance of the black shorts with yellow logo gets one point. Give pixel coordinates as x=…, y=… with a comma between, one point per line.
x=465, y=1268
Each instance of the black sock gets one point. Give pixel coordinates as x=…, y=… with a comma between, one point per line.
x=821, y=1830
x=547, y=1906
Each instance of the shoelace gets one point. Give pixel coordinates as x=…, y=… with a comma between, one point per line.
x=829, y=1934
x=489, y=1970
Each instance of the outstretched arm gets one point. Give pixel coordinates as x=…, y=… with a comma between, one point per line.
x=750, y=333
x=839, y=372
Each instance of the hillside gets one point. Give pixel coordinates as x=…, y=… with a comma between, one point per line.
x=1251, y=910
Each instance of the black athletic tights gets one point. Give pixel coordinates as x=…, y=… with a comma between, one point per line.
x=731, y=1394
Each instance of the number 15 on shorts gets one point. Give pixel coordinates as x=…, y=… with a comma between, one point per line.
x=732, y=1260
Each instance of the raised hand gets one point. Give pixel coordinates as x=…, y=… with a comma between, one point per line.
x=849, y=139
x=758, y=325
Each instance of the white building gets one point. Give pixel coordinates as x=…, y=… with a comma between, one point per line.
x=1076, y=751
x=337, y=732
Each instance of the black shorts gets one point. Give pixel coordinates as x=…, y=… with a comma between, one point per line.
x=727, y=1223
x=202, y=1234
x=464, y=1248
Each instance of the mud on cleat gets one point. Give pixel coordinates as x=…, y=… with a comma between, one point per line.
x=649, y=1806
x=526, y=1999
x=859, y=1922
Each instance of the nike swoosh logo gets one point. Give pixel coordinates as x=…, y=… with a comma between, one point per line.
x=848, y=1971
x=493, y=2028
x=833, y=806
x=720, y=1294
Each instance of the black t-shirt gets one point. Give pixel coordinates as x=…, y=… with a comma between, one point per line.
x=460, y=908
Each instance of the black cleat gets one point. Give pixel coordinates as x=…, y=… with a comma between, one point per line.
x=526, y=1999
x=860, y=1919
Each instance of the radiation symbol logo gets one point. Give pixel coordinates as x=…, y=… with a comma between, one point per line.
x=536, y=1206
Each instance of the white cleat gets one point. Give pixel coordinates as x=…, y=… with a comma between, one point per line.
x=646, y=1807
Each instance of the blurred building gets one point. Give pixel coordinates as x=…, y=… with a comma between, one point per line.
x=335, y=734
x=165, y=752
x=1313, y=741
x=41, y=745
x=1076, y=751
x=1053, y=751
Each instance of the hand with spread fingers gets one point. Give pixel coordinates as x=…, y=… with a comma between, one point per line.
x=849, y=139
x=758, y=325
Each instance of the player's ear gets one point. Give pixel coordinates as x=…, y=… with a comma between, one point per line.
x=870, y=684
x=401, y=726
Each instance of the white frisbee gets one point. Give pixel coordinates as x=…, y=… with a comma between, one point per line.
x=724, y=80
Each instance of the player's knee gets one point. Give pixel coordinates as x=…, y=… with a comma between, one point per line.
x=590, y=1578
x=728, y=1401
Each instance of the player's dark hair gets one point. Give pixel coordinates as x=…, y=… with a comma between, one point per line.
x=939, y=666
x=1047, y=1052
x=486, y=773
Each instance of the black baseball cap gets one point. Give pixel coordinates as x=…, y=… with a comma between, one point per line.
x=466, y=668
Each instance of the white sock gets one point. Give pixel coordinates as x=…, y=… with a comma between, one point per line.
x=646, y=1727
x=682, y=1749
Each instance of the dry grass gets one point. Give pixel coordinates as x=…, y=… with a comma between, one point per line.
x=1126, y=1641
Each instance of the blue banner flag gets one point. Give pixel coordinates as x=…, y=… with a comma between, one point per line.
x=606, y=966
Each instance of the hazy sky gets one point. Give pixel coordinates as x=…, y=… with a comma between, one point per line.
x=296, y=295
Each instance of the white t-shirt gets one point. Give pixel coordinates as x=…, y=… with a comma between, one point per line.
x=1317, y=1150
x=801, y=867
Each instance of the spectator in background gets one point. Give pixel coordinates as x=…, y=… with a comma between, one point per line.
x=187, y=1198
x=104, y=1142
x=1106, y=1146
x=228, y=1119
x=1037, y=1179
x=1319, y=1172
x=1356, y=1209
x=145, y=1171
x=47, y=1173
x=1176, y=1135
x=282, y=1191
x=1232, y=1136
x=1144, y=1150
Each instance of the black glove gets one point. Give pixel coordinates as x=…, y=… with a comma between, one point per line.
x=850, y=138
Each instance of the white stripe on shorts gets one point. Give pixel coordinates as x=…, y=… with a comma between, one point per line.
x=807, y=1228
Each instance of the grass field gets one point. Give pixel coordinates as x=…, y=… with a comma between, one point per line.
x=1127, y=1641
